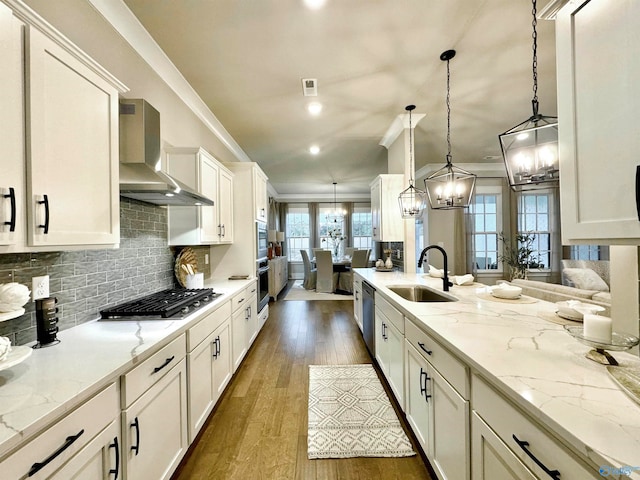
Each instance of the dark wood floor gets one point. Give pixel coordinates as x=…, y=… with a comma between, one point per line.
x=259, y=428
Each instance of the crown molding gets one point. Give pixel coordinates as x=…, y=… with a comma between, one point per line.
x=398, y=125
x=129, y=27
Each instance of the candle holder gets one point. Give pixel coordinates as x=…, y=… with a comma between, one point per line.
x=619, y=342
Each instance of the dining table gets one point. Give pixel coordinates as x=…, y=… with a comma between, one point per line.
x=340, y=263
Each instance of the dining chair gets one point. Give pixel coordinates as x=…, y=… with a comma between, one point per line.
x=310, y=274
x=360, y=259
x=348, y=251
x=326, y=278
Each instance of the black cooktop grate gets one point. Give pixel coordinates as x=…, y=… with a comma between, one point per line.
x=163, y=304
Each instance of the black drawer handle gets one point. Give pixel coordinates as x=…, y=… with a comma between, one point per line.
x=215, y=348
x=116, y=470
x=166, y=362
x=423, y=386
x=12, y=196
x=45, y=225
x=421, y=345
x=36, y=467
x=555, y=474
x=136, y=447
x=638, y=190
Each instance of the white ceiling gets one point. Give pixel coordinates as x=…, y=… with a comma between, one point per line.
x=246, y=60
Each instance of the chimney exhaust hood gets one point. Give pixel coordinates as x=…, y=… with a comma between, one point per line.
x=140, y=174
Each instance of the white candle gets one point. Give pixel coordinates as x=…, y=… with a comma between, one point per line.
x=597, y=328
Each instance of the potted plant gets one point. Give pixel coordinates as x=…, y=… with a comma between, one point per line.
x=518, y=257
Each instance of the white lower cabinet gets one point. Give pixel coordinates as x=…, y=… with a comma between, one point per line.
x=491, y=458
x=99, y=460
x=155, y=428
x=209, y=373
x=77, y=446
x=438, y=415
x=501, y=432
x=244, y=323
x=357, y=301
x=389, y=352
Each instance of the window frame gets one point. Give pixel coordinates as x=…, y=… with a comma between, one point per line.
x=486, y=190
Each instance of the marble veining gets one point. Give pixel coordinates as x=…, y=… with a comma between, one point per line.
x=533, y=362
x=57, y=379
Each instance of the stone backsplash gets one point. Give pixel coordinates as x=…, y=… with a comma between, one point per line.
x=87, y=281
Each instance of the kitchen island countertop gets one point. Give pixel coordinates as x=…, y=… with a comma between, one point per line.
x=56, y=379
x=534, y=362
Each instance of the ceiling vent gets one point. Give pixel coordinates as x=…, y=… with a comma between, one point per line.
x=310, y=87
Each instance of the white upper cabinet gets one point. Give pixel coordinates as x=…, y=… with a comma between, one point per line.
x=59, y=186
x=261, y=200
x=385, y=212
x=12, y=181
x=598, y=47
x=72, y=149
x=202, y=225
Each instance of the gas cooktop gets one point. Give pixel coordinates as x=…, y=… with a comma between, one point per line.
x=173, y=303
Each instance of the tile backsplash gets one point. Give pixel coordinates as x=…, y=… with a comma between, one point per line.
x=87, y=281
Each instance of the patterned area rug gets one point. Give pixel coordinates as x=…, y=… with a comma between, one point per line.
x=350, y=415
x=297, y=292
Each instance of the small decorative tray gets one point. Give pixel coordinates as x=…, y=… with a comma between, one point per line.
x=238, y=277
x=384, y=269
x=628, y=380
x=619, y=342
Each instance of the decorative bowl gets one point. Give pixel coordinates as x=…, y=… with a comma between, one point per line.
x=575, y=310
x=506, y=291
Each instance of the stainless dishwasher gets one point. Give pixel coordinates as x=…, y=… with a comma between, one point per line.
x=368, y=317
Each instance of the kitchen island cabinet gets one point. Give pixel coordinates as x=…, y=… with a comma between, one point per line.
x=597, y=107
x=389, y=339
x=70, y=113
x=498, y=369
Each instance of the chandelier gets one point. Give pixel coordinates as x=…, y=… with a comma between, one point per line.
x=411, y=199
x=451, y=186
x=530, y=149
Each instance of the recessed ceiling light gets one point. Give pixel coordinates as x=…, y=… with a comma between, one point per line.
x=314, y=108
x=315, y=4
x=314, y=149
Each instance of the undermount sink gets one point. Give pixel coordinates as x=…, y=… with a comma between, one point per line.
x=421, y=293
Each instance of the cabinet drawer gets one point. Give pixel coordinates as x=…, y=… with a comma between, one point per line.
x=393, y=315
x=138, y=380
x=449, y=366
x=46, y=453
x=241, y=299
x=509, y=423
x=211, y=321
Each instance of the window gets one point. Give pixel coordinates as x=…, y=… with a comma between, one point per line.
x=361, y=227
x=534, y=217
x=487, y=217
x=298, y=231
x=589, y=252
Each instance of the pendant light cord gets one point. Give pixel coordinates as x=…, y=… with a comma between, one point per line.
x=534, y=64
x=448, y=117
x=410, y=108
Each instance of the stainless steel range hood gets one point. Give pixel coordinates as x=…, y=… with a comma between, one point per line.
x=140, y=174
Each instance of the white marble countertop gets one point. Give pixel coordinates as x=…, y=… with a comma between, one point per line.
x=534, y=362
x=56, y=379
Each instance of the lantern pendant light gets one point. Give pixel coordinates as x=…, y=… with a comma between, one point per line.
x=411, y=200
x=530, y=149
x=451, y=186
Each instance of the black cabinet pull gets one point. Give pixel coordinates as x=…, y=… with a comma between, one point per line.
x=36, y=467
x=638, y=190
x=219, y=346
x=12, y=197
x=45, y=225
x=136, y=447
x=116, y=470
x=224, y=230
x=423, y=387
x=428, y=352
x=555, y=474
x=215, y=348
x=166, y=362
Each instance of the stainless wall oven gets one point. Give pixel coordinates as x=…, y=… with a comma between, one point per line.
x=262, y=240
x=262, y=273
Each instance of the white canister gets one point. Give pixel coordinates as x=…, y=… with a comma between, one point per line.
x=195, y=281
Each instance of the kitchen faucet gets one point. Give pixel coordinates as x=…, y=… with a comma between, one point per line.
x=445, y=278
